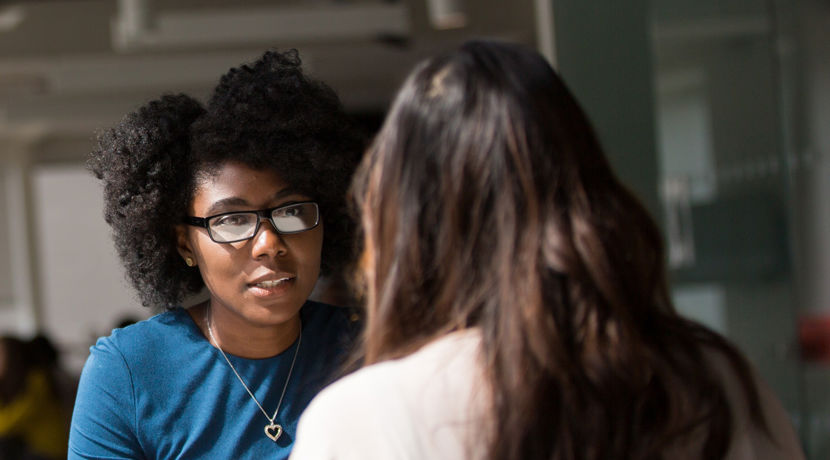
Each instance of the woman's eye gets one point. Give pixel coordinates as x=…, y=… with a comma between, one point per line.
x=234, y=220
x=292, y=211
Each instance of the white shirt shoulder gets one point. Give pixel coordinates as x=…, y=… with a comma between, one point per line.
x=426, y=405
x=749, y=441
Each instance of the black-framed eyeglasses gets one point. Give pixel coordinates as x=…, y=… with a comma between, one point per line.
x=230, y=227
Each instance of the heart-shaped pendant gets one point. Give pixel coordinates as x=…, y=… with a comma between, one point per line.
x=273, y=431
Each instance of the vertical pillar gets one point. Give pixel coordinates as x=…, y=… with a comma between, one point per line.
x=19, y=225
x=602, y=49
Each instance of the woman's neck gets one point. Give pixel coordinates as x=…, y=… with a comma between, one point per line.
x=238, y=337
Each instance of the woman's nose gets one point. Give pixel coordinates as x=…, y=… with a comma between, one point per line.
x=268, y=242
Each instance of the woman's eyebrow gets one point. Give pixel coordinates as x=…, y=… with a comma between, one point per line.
x=223, y=204
x=288, y=191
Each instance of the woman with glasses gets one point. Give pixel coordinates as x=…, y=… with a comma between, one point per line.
x=241, y=201
x=517, y=300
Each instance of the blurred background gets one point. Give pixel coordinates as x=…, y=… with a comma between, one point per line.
x=715, y=112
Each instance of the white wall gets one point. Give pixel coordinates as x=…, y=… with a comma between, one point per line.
x=83, y=289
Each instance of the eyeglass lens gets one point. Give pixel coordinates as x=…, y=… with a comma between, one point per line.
x=238, y=226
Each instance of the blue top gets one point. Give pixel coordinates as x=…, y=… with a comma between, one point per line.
x=159, y=390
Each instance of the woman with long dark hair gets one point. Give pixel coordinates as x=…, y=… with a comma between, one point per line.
x=517, y=303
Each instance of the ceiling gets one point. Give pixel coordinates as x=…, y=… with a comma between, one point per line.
x=68, y=67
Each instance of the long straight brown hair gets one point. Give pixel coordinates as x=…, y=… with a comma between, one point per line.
x=486, y=201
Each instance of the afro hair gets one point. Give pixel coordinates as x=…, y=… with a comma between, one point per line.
x=265, y=115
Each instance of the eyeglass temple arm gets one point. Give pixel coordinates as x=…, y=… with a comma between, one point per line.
x=196, y=221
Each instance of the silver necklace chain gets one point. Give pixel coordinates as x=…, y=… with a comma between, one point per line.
x=272, y=430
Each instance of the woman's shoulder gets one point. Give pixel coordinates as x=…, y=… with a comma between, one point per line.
x=158, y=332
x=433, y=389
x=438, y=368
x=749, y=440
x=366, y=395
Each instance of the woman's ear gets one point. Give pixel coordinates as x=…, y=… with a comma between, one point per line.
x=184, y=247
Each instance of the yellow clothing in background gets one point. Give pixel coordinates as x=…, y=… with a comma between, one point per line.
x=37, y=417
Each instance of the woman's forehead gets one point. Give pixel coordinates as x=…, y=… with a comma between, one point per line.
x=238, y=184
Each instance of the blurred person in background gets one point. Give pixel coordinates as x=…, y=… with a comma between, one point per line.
x=517, y=303
x=243, y=199
x=35, y=400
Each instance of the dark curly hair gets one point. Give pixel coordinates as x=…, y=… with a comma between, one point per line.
x=266, y=115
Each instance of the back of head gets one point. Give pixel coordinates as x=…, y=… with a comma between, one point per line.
x=21, y=357
x=485, y=185
x=42, y=352
x=487, y=202
x=14, y=368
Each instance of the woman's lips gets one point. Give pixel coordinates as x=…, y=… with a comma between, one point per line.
x=269, y=288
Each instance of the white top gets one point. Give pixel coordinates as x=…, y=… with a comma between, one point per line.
x=433, y=404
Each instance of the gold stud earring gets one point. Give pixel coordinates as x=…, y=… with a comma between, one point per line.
x=189, y=262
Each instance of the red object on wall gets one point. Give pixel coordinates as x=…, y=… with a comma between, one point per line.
x=814, y=338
